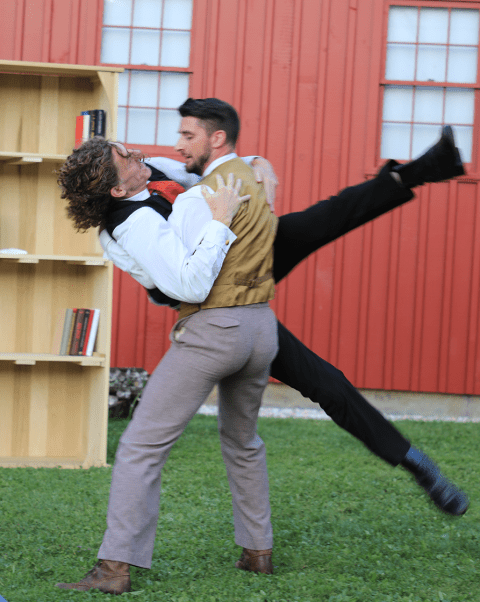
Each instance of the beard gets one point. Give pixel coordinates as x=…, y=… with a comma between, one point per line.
x=199, y=165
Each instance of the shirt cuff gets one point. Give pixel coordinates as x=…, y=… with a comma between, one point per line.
x=220, y=235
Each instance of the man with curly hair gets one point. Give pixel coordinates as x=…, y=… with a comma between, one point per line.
x=309, y=230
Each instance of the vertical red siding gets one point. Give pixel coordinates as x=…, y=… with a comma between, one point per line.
x=52, y=31
x=394, y=304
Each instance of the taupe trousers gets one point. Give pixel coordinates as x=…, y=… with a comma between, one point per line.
x=233, y=347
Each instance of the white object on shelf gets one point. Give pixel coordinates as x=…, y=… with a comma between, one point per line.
x=14, y=251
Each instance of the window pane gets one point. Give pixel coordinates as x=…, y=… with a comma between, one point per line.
x=173, y=89
x=117, y=12
x=168, y=125
x=141, y=126
x=428, y=105
x=178, y=14
x=459, y=105
x=397, y=103
x=145, y=47
x=462, y=65
x=144, y=89
x=433, y=25
x=464, y=26
x=402, y=24
x=175, y=49
x=147, y=13
x=123, y=87
x=431, y=63
x=121, y=124
x=463, y=138
x=400, y=62
x=423, y=137
x=395, y=141
x=115, y=46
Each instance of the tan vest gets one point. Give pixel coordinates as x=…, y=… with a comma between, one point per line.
x=246, y=276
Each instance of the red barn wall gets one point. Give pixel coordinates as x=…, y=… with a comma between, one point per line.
x=393, y=304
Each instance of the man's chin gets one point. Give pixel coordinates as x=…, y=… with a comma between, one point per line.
x=193, y=168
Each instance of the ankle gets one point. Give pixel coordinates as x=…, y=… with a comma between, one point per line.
x=412, y=459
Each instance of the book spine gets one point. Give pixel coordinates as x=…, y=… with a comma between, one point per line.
x=93, y=332
x=77, y=329
x=67, y=327
x=78, y=130
x=58, y=332
x=89, y=328
x=93, y=123
x=100, y=123
x=83, y=332
x=70, y=332
x=86, y=126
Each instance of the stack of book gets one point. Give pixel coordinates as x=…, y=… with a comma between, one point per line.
x=88, y=125
x=76, y=331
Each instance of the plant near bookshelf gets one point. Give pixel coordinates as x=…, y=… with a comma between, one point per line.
x=54, y=408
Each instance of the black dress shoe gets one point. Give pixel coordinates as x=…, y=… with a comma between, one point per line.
x=440, y=162
x=444, y=494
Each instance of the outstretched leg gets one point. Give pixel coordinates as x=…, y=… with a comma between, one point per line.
x=300, y=368
x=297, y=366
x=300, y=234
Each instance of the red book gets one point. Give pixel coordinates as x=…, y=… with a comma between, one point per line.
x=77, y=330
x=78, y=131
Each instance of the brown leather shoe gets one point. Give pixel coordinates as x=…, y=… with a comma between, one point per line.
x=108, y=576
x=257, y=561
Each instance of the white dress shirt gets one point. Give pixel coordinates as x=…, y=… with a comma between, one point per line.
x=181, y=257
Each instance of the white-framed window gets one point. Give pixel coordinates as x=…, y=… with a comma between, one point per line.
x=151, y=39
x=430, y=77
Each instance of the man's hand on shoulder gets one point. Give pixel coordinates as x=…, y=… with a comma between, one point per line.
x=225, y=202
x=264, y=173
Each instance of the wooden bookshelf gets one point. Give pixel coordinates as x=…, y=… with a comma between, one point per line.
x=53, y=409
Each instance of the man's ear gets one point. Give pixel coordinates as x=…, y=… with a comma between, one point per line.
x=118, y=191
x=218, y=139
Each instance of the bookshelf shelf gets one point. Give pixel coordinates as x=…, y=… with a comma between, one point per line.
x=30, y=359
x=53, y=408
x=73, y=260
x=29, y=158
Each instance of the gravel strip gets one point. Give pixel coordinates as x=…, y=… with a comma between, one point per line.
x=211, y=410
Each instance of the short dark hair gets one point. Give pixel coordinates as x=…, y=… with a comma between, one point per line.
x=216, y=115
x=86, y=178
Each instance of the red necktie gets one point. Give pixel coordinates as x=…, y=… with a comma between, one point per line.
x=168, y=189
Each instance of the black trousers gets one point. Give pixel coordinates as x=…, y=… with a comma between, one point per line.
x=300, y=234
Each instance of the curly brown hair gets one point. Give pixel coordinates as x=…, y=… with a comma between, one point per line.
x=86, y=178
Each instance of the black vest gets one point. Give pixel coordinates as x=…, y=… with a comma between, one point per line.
x=119, y=211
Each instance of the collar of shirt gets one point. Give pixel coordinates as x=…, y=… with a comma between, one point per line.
x=218, y=162
x=143, y=195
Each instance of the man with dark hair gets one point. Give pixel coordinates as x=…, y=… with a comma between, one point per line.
x=215, y=115
x=199, y=149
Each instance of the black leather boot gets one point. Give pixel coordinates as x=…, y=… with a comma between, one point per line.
x=440, y=162
x=444, y=494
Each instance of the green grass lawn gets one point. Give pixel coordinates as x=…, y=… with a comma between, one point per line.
x=347, y=526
